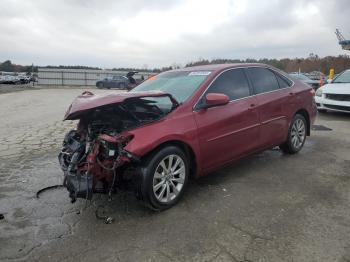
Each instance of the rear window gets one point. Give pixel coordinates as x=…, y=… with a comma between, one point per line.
x=263, y=80
x=283, y=81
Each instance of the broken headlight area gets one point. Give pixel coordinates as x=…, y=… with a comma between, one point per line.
x=93, y=158
x=91, y=163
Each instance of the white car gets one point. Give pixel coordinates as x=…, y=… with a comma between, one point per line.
x=335, y=96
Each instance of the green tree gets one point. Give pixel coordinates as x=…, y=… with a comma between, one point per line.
x=7, y=66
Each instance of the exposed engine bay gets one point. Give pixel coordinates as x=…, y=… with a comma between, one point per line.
x=93, y=158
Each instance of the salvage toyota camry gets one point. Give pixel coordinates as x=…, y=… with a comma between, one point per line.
x=178, y=124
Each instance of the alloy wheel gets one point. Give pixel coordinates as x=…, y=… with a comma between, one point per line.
x=169, y=178
x=298, y=133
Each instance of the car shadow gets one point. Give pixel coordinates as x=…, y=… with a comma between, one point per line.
x=244, y=170
x=207, y=188
x=239, y=169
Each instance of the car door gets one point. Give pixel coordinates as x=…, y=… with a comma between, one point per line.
x=228, y=131
x=271, y=103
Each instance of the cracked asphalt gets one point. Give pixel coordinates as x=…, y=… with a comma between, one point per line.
x=267, y=207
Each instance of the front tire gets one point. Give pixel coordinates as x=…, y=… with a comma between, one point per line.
x=164, y=177
x=296, y=135
x=100, y=85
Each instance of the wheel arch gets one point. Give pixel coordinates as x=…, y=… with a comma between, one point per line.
x=306, y=115
x=185, y=147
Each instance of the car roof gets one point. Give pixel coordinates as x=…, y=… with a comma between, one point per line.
x=220, y=67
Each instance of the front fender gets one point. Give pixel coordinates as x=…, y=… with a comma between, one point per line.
x=148, y=137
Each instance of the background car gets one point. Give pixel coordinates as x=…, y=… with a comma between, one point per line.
x=24, y=79
x=314, y=83
x=335, y=96
x=10, y=79
x=116, y=81
x=317, y=75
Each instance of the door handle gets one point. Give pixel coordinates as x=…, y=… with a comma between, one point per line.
x=251, y=107
x=291, y=94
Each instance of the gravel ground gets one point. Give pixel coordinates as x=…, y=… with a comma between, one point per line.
x=7, y=88
x=267, y=207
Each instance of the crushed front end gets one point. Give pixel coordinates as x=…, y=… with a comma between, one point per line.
x=90, y=163
x=93, y=157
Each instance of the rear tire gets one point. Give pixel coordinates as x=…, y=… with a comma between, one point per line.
x=163, y=178
x=296, y=135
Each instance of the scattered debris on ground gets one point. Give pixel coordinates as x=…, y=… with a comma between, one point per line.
x=320, y=128
x=47, y=188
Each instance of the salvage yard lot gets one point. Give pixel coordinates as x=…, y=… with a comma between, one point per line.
x=267, y=207
x=8, y=88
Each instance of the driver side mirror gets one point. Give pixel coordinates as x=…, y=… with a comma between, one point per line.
x=215, y=99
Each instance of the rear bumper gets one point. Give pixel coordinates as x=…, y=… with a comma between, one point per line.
x=332, y=105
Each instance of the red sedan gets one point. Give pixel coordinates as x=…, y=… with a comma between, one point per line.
x=182, y=123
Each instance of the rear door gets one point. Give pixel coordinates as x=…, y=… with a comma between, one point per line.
x=229, y=131
x=271, y=104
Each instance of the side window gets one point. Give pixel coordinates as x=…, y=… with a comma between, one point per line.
x=263, y=80
x=232, y=83
x=282, y=81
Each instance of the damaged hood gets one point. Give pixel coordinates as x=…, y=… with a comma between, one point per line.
x=87, y=101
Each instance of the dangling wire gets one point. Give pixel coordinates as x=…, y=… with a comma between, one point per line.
x=112, y=186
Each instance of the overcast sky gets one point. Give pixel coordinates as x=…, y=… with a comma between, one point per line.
x=153, y=33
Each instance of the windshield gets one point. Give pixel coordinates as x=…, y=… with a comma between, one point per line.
x=148, y=107
x=180, y=84
x=342, y=78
